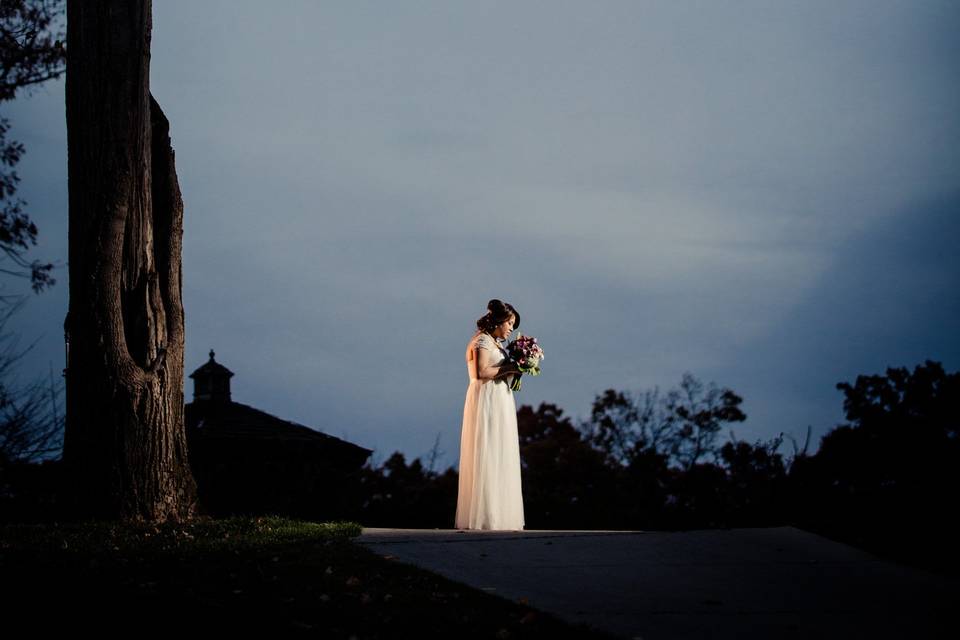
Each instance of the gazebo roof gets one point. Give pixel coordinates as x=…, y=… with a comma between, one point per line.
x=234, y=421
x=211, y=368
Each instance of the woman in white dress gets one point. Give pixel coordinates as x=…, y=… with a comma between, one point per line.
x=489, y=495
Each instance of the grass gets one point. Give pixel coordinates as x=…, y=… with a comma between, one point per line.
x=242, y=574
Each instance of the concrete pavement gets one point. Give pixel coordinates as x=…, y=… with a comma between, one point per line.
x=779, y=582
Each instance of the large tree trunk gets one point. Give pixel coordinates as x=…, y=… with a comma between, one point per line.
x=125, y=448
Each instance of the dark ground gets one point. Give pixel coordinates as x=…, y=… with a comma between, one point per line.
x=254, y=575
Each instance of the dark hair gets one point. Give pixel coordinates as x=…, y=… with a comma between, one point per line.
x=497, y=312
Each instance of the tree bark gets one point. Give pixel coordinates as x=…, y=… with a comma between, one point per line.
x=125, y=448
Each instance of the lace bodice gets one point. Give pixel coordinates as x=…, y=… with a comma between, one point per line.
x=484, y=341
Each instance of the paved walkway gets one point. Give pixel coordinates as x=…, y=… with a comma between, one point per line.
x=777, y=583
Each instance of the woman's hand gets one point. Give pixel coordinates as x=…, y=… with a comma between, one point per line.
x=487, y=369
x=509, y=367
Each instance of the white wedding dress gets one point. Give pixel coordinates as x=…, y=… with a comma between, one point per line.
x=489, y=495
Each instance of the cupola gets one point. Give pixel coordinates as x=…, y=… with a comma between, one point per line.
x=212, y=381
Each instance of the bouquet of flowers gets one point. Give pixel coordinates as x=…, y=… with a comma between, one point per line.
x=527, y=354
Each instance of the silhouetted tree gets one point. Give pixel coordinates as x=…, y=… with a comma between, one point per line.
x=697, y=497
x=31, y=429
x=31, y=44
x=625, y=428
x=696, y=415
x=31, y=52
x=125, y=447
x=889, y=477
x=31, y=422
x=396, y=494
x=757, y=481
x=682, y=426
x=901, y=439
x=565, y=482
x=646, y=483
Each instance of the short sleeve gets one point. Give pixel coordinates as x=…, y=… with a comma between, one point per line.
x=485, y=342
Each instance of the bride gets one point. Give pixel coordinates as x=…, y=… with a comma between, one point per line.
x=489, y=495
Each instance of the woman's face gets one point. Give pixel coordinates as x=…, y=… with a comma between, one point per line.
x=504, y=329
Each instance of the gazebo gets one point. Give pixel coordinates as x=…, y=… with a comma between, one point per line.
x=247, y=461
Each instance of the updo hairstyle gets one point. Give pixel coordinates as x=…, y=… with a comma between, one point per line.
x=498, y=312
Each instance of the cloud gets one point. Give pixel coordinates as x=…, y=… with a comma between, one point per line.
x=757, y=193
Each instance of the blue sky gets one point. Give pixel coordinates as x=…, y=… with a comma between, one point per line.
x=764, y=194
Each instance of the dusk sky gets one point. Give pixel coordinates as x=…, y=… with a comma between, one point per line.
x=763, y=194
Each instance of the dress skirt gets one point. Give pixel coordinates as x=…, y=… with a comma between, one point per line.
x=489, y=494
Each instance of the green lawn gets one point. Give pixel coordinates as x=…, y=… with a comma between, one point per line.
x=241, y=574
